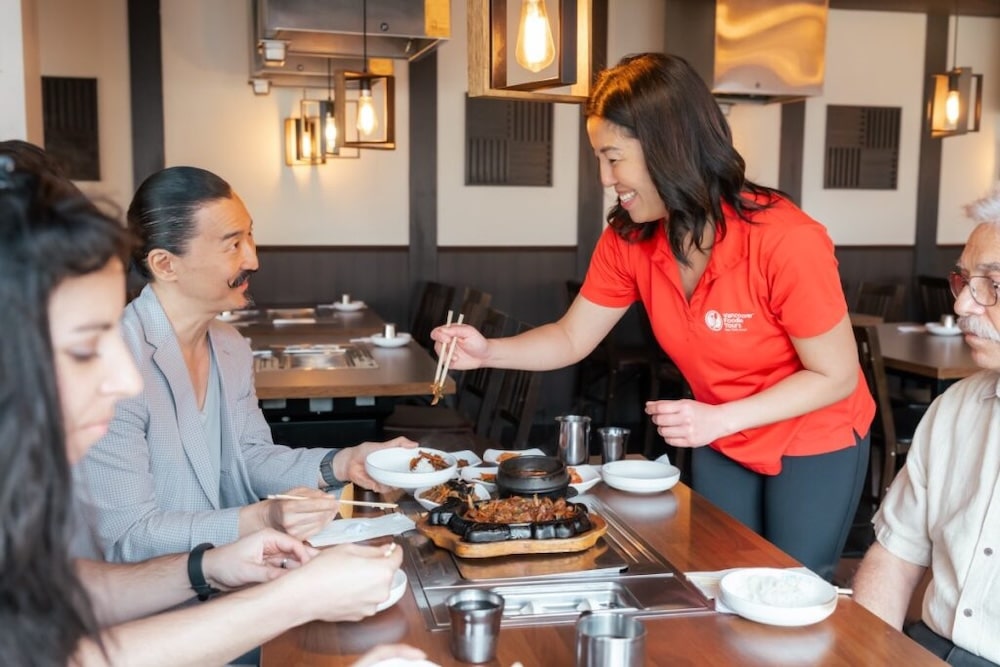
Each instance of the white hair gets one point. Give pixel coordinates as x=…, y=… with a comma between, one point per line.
x=986, y=209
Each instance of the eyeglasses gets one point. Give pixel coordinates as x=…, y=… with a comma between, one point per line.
x=985, y=291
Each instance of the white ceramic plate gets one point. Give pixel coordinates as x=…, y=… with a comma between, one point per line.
x=479, y=491
x=467, y=455
x=347, y=307
x=938, y=330
x=778, y=597
x=588, y=475
x=493, y=455
x=399, y=340
x=392, y=467
x=395, y=593
x=640, y=476
x=475, y=474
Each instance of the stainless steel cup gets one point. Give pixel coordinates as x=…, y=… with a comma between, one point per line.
x=574, y=439
x=390, y=330
x=610, y=640
x=613, y=443
x=948, y=321
x=475, y=624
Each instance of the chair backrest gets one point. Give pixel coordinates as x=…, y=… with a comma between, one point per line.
x=883, y=300
x=873, y=367
x=431, y=312
x=935, y=298
x=478, y=388
x=516, y=402
x=473, y=305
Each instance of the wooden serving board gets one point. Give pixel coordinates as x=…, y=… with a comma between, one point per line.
x=443, y=537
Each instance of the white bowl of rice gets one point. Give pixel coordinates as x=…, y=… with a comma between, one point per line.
x=410, y=469
x=778, y=597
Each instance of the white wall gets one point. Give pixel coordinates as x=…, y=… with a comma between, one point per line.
x=20, y=103
x=90, y=40
x=970, y=163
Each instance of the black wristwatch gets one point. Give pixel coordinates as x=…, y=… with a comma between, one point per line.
x=326, y=469
x=195, y=573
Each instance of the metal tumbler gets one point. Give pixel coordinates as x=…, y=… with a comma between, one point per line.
x=574, y=439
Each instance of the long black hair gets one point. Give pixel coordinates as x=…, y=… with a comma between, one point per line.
x=162, y=211
x=48, y=232
x=688, y=147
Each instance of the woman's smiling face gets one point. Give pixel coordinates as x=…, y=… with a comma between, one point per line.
x=94, y=368
x=623, y=167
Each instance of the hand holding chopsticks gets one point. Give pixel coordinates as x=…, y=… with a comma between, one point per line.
x=357, y=503
x=444, y=361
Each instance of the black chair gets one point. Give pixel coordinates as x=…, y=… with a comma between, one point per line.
x=883, y=300
x=476, y=395
x=603, y=374
x=432, y=311
x=516, y=403
x=935, y=298
x=474, y=305
x=892, y=429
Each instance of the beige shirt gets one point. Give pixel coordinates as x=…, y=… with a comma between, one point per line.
x=943, y=510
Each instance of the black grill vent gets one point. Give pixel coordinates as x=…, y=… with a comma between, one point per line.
x=508, y=142
x=862, y=147
x=69, y=116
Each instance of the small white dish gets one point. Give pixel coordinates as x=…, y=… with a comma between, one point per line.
x=778, y=597
x=475, y=474
x=399, y=340
x=494, y=455
x=348, y=307
x=588, y=477
x=938, y=329
x=637, y=476
x=395, y=593
x=466, y=457
x=479, y=491
x=391, y=467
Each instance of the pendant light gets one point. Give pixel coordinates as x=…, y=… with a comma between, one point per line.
x=957, y=103
x=535, y=49
x=330, y=145
x=367, y=120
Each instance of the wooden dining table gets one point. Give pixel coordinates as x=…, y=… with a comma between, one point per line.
x=693, y=535
x=908, y=349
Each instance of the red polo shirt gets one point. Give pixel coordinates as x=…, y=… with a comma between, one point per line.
x=764, y=282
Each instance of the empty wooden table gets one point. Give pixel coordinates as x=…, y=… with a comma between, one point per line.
x=913, y=351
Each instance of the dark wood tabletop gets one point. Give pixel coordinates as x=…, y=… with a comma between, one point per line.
x=923, y=354
x=364, y=322
x=694, y=536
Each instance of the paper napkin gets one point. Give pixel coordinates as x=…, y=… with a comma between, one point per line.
x=341, y=531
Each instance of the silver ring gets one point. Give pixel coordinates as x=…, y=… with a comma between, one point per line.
x=284, y=564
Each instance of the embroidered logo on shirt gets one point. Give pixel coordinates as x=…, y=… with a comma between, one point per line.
x=717, y=321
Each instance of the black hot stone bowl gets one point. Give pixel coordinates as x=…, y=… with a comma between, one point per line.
x=542, y=476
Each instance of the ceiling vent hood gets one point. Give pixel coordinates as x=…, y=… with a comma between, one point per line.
x=293, y=40
x=756, y=51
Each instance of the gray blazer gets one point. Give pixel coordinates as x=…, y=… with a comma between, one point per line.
x=150, y=478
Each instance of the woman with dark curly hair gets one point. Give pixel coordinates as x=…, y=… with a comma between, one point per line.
x=63, y=366
x=742, y=291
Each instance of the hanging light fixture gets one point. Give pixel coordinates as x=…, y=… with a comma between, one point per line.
x=304, y=144
x=375, y=116
x=957, y=105
x=535, y=48
x=327, y=109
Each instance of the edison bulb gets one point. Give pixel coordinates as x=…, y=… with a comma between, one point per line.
x=952, y=106
x=535, y=49
x=367, y=118
x=330, y=129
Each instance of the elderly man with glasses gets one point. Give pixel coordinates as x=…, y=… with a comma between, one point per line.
x=943, y=511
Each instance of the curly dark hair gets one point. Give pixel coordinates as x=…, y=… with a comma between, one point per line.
x=660, y=100
x=48, y=232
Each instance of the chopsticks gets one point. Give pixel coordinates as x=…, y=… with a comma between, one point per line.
x=358, y=503
x=444, y=361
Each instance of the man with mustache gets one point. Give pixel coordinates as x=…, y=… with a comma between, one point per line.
x=943, y=510
x=188, y=460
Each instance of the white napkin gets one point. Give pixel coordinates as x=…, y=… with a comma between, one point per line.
x=708, y=583
x=356, y=530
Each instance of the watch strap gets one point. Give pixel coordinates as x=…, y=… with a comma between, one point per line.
x=326, y=470
x=196, y=575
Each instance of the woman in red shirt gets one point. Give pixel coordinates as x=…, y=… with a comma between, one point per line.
x=743, y=293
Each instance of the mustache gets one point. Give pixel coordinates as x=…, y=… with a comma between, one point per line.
x=980, y=327
x=240, y=278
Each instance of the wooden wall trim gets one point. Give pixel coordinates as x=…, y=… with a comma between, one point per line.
x=791, y=149
x=423, y=263
x=929, y=165
x=145, y=88
x=590, y=193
